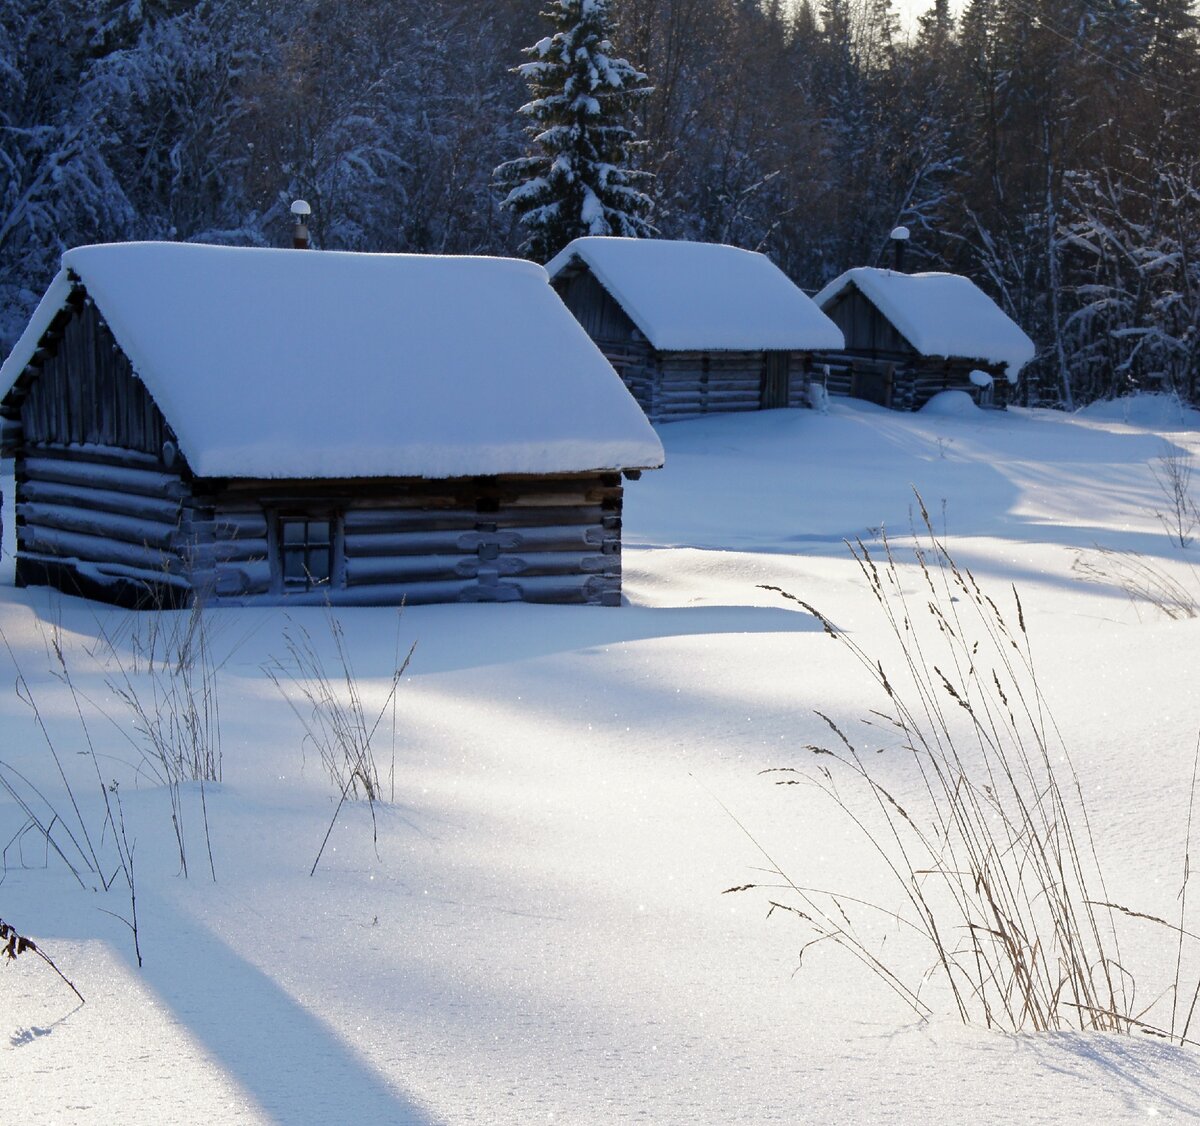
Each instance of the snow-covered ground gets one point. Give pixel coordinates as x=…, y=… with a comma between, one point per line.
x=538, y=932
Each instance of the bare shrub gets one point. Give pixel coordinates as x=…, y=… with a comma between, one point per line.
x=1173, y=474
x=981, y=823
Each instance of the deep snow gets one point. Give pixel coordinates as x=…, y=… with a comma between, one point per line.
x=540, y=934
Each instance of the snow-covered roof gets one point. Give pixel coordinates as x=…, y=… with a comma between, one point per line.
x=697, y=296
x=286, y=363
x=940, y=315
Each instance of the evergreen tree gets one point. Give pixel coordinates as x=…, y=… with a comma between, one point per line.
x=935, y=31
x=578, y=181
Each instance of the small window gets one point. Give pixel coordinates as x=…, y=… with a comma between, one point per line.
x=307, y=549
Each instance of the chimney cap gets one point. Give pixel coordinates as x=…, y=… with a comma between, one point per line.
x=900, y=234
x=301, y=209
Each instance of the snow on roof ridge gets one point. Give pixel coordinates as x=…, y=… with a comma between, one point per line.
x=700, y=296
x=277, y=363
x=948, y=316
x=284, y=251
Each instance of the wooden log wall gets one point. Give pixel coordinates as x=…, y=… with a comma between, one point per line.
x=635, y=362
x=930, y=378
x=866, y=329
x=697, y=383
x=593, y=307
x=83, y=391
x=835, y=373
x=924, y=382
x=799, y=376
x=1003, y=392
x=100, y=521
x=534, y=539
x=672, y=386
x=614, y=334
x=914, y=381
x=97, y=508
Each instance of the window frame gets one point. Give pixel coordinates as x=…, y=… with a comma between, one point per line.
x=308, y=545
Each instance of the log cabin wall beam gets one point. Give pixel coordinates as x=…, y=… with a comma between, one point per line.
x=470, y=539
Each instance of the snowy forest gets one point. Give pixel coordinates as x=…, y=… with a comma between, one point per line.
x=1046, y=148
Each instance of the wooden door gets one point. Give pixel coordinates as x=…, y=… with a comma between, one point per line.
x=774, y=391
x=872, y=381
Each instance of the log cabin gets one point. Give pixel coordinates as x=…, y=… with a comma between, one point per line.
x=911, y=336
x=260, y=426
x=694, y=328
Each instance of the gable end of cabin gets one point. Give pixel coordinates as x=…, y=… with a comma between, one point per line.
x=880, y=365
x=675, y=385
x=613, y=332
x=101, y=489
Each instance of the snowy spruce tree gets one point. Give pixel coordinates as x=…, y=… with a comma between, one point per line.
x=578, y=180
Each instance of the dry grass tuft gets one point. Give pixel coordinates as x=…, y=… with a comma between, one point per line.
x=982, y=825
x=328, y=700
x=1143, y=580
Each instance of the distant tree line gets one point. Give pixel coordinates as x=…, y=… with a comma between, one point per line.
x=1047, y=148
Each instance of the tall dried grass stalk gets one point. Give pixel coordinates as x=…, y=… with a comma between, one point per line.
x=162, y=667
x=67, y=835
x=994, y=853
x=328, y=701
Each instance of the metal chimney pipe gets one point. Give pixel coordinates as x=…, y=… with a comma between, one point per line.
x=300, y=238
x=899, y=237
